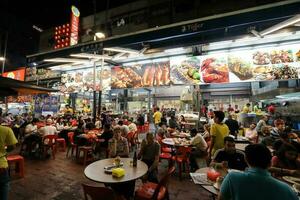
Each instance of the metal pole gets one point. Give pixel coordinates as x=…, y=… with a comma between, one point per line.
x=4, y=55
x=101, y=87
x=94, y=93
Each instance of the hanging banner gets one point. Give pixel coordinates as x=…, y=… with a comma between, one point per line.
x=260, y=64
x=16, y=74
x=141, y=75
x=74, y=25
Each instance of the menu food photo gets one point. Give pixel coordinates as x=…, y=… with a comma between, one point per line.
x=141, y=75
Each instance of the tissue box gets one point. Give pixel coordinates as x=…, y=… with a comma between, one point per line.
x=118, y=172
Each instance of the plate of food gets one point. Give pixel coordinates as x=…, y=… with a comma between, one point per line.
x=291, y=179
x=261, y=58
x=240, y=67
x=185, y=71
x=281, y=56
x=108, y=169
x=214, y=70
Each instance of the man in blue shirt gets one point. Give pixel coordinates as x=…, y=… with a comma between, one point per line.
x=256, y=183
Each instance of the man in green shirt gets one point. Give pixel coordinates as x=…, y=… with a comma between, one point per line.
x=256, y=182
x=8, y=140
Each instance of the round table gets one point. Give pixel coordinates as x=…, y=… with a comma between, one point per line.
x=210, y=188
x=241, y=146
x=95, y=171
x=171, y=142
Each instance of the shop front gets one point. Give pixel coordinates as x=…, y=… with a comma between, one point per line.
x=185, y=70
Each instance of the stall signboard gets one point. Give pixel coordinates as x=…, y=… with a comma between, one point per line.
x=33, y=74
x=74, y=25
x=153, y=74
x=19, y=99
x=46, y=103
x=16, y=74
x=276, y=63
x=83, y=81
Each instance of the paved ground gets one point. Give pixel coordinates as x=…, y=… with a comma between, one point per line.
x=61, y=179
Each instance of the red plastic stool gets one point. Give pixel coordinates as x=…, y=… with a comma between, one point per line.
x=61, y=143
x=19, y=163
x=86, y=151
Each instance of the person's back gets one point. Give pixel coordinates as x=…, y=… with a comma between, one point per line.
x=48, y=130
x=256, y=182
x=233, y=126
x=255, y=179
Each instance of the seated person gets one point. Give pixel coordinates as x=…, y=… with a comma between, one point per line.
x=118, y=145
x=163, y=129
x=235, y=159
x=251, y=133
x=149, y=154
x=132, y=126
x=286, y=157
x=106, y=135
x=124, y=128
x=199, y=150
x=49, y=129
x=173, y=123
x=206, y=134
x=236, y=185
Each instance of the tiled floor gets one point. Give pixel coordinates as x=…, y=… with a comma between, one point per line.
x=61, y=179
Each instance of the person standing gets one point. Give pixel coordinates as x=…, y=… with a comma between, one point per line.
x=157, y=118
x=8, y=140
x=218, y=132
x=230, y=109
x=236, y=185
x=261, y=123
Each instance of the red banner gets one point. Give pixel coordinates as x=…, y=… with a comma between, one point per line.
x=74, y=25
x=16, y=74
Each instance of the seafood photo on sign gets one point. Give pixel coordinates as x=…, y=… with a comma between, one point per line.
x=261, y=58
x=281, y=56
x=240, y=65
x=137, y=76
x=214, y=69
x=156, y=74
x=185, y=70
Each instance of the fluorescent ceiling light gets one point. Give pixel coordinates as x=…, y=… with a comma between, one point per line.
x=2, y=58
x=174, y=50
x=88, y=55
x=281, y=25
x=122, y=50
x=67, y=60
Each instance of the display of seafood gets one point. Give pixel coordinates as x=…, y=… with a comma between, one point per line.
x=186, y=72
x=214, y=71
x=241, y=68
x=147, y=75
x=261, y=58
x=281, y=56
x=275, y=72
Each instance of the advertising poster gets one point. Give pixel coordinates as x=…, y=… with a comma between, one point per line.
x=185, y=70
x=141, y=75
x=45, y=103
x=83, y=80
x=16, y=74
x=214, y=69
x=74, y=25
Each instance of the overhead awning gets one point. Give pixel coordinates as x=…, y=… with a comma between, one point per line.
x=11, y=87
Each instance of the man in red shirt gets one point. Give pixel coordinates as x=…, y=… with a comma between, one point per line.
x=271, y=108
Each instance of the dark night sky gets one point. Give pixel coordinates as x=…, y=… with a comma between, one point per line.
x=49, y=13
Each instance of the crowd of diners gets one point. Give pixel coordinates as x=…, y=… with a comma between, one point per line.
x=214, y=142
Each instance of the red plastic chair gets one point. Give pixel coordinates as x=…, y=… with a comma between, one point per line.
x=155, y=191
x=61, y=142
x=97, y=193
x=49, y=142
x=182, y=159
x=19, y=163
x=71, y=146
x=87, y=152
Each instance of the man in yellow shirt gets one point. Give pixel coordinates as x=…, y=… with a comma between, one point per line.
x=218, y=132
x=157, y=118
x=7, y=139
x=246, y=108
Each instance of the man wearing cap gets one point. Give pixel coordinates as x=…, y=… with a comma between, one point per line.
x=7, y=139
